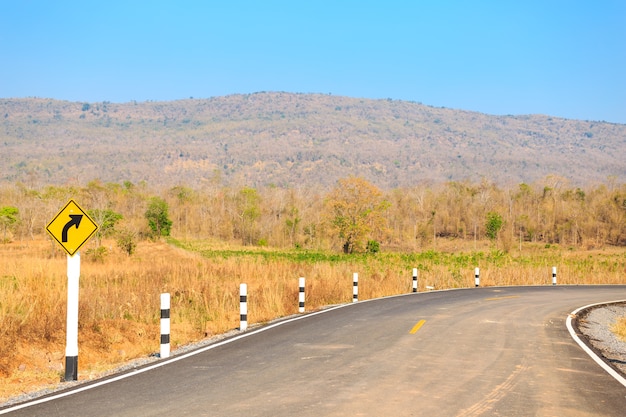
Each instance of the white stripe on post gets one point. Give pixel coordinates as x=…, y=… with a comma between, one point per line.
x=414, y=279
x=554, y=275
x=355, y=287
x=301, y=295
x=165, y=325
x=477, y=277
x=243, y=307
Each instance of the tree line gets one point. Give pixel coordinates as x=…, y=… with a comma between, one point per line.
x=353, y=216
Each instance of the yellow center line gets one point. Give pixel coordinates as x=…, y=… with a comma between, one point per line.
x=417, y=326
x=501, y=298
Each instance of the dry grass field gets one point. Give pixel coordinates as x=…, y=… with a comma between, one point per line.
x=119, y=296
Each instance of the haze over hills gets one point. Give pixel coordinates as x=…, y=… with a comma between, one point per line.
x=291, y=140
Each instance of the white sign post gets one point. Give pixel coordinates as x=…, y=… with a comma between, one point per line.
x=71, y=341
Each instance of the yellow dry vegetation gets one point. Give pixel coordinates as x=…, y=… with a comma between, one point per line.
x=619, y=328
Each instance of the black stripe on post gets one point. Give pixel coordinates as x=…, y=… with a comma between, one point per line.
x=71, y=368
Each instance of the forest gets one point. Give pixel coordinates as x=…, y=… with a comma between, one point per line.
x=352, y=216
x=268, y=169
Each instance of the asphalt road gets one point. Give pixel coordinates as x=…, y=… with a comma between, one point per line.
x=472, y=352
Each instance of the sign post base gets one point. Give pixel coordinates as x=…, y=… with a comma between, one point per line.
x=71, y=368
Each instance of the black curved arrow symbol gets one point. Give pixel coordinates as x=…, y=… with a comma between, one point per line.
x=75, y=221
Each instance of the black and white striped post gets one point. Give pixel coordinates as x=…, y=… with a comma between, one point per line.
x=165, y=325
x=355, y=287
x=477, y=277
x=301, y=282
x=243, y=307
x=554, y=275
x=414, y=279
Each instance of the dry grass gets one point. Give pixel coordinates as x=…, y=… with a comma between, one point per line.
x=119, y=298
x=619, y=328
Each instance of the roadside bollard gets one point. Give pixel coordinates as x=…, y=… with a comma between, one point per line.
x=165, y=325
x=243, y=307
x=301, y=295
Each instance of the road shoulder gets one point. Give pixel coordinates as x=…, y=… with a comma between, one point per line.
x=594, y=325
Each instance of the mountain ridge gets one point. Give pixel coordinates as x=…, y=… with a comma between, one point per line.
x=294, y=140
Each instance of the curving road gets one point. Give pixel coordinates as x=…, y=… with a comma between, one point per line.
x=480, y=351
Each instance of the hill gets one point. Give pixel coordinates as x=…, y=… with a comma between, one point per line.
x=292, y=140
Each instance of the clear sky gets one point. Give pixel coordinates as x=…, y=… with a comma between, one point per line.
x=555, y=57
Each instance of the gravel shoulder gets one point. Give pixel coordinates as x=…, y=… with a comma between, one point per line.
x=594, y=325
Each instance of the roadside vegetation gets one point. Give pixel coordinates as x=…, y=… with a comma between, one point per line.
x=200, y=244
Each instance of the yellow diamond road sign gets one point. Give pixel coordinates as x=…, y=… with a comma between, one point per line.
x=72, y=227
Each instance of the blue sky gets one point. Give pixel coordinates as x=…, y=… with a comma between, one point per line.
x=561, y=58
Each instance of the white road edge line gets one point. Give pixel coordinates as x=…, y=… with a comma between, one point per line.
x=586, y=348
